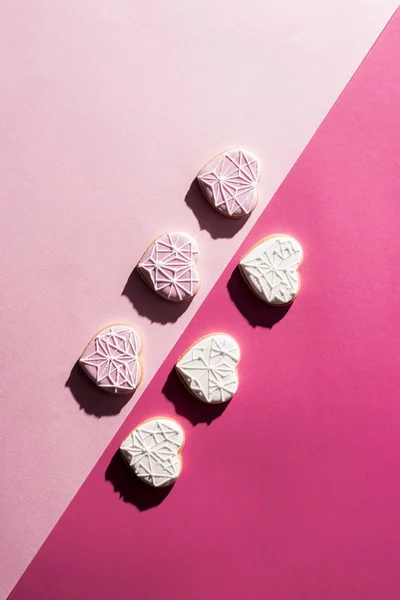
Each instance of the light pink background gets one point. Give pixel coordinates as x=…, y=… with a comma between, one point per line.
x=107, y=111
x=293, y=491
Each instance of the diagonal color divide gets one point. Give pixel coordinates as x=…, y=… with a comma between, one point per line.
x=292, y=491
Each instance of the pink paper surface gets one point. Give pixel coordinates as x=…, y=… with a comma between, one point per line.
x=291, y=490
x=108, y=109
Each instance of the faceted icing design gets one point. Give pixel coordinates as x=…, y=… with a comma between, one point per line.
x=152, y=451
x=169, y=266
x=230, y=181
x=271, y=269
x=209, y=368
x=111, y=359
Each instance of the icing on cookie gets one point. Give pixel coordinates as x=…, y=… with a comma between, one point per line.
x=112, y=359
x=209, y=368
x=169, y=266
x=152, y=451
x=229, y=182
x=271, y=269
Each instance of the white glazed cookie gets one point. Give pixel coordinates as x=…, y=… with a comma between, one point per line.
x=271, y=269
x=229, y=182
x=209, y=368
x=111, y=359
x=169, y=266
x=152, y=451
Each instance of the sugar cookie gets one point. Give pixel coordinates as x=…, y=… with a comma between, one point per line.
x=229, y=182
x=169, y=266
x=209, y=368
x=271, y=269
x=111, y=359
x=152, y=450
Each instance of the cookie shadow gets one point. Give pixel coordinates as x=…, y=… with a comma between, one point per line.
x=148, y=304
x=187, y=406
x=130, y=488
x=216, y=224
x=90, y=398
x=257, y=312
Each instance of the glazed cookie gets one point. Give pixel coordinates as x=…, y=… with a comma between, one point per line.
x=153, y=451
x=229, y=182
x=169, y=266
x=271, y=269
x=209, y=368
x=111, y=359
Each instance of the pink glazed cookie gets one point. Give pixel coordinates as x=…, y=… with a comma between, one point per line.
x=169, y=266
x=111, y=359
x=229, y=182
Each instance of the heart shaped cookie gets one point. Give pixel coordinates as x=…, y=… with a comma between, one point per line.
x=111, y=359
x=169, y=266
x=152, y=450
x=209, y=368
x=271, y=269
x=229, y=182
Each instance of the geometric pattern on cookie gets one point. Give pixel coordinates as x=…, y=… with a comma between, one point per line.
x=111, y=359
x=271, y=269
x=209, y=368
x=152, y=451
x=229, y=182
x=169, y=266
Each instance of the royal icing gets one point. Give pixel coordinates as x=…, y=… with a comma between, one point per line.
x=209, y=368
x=152, y=451
x=169, y=266
x=271, y=269
x=229, y=182
x=111, y=359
